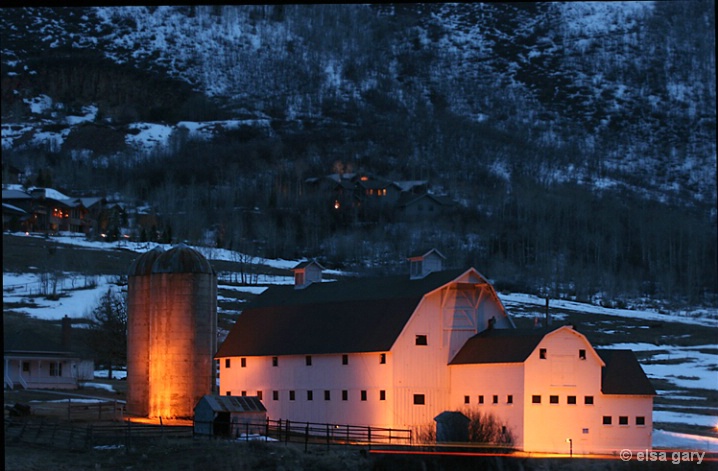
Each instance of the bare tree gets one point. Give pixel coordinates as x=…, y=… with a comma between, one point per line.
x=108, y=324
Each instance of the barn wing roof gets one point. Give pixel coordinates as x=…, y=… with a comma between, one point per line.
x=623, y=374
x=362, y=315
x=499, y=346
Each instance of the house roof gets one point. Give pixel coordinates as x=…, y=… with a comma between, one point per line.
x=360, y=315
x=15, y=195
x=623, y=374
x=28, y=341
x=234, y=403
x=499, y=346
x=407, y=199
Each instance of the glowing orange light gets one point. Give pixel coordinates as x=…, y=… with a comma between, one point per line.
x=336, y=204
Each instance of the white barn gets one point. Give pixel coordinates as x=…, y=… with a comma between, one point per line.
x=398, y=351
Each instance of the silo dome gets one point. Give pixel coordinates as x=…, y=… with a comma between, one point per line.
x=143, y=264
x=181, y=259
x=172, y=332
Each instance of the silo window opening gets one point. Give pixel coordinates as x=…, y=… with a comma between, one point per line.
x=242, y=363
x=421, y=340
x=275, y=361
x=582, y=354
x=227, y=363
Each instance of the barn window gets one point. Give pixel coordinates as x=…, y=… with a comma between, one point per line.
x=421, y=340
x=588, y=400
x=308, y=360
x=382, y=395
x=481, y=399
x=310, y=395
x=382, y=358
x=542, y=353
x=345, y=395
x=227, y=362
x=419, y=399
x=640, y=420
x=345, y=359
x=571, y=400
x=466, y=399
x=363, y=395
x=582, y=354
x=606, y=420
x=327, y=395
x=242, y=363
x=536, y=399
x=291, y=395
x=275, y=395
x=553, y=399
x=623, y=420
x=509, y=399
x=275, y=361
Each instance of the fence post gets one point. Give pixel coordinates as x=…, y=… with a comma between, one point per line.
x=327, y=436
x=162, y=428
x=88, y=438
x=306, y=437
x=287, y=431
x=69, y=405
x=368, y=436
x=127, y=437
x=266, y=430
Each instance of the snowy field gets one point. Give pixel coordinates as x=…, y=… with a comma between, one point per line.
x=691, y=371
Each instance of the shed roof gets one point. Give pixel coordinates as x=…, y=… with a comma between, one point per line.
x=361, y=315
x=623, y=374
x=233, y=403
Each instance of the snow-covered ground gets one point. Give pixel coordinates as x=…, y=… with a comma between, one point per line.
x=686, y=368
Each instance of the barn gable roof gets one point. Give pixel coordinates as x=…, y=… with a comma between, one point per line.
x=499, y=346
x=361, y=315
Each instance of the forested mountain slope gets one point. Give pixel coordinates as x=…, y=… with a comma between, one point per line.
x=578, y=138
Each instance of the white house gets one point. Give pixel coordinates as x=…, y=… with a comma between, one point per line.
x=398, y=351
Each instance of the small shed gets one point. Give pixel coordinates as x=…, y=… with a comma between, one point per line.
x=229, y=416
x=452, y=427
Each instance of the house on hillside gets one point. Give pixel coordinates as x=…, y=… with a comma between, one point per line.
x=365, y=197
x=399, y=351
x=33, y=360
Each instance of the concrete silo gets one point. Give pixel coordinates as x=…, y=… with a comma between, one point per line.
x=172, y=332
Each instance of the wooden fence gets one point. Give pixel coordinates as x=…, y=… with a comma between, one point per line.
x=309, y=433
x=77, y=437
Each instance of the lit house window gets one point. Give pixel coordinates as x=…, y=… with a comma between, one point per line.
x=419, y=399
x=421, y=340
